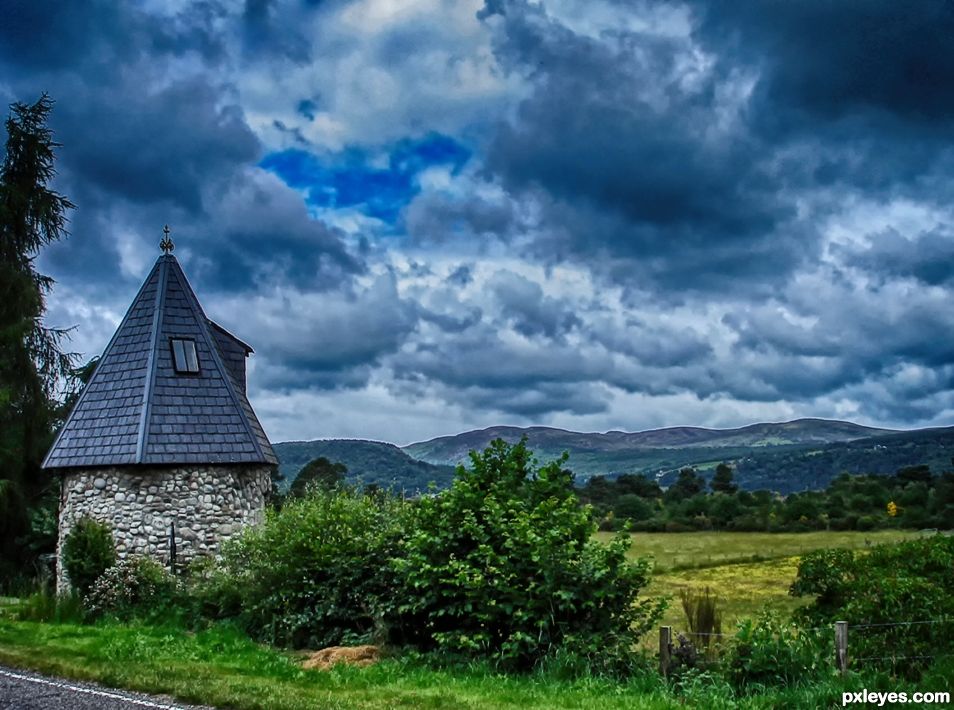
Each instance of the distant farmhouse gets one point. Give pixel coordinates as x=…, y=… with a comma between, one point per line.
x=163, y=444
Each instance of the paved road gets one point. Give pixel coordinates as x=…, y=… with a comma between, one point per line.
x=24, y=690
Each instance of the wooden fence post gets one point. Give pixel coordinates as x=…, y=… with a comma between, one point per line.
x=665, y=644
x=841, y=645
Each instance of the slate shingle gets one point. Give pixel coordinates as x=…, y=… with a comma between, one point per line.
x=137, y=410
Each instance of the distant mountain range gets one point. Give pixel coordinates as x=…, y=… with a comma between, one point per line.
x=786, y=456
x=454, y=449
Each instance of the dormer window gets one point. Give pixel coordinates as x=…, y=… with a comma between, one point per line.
x=184, y=357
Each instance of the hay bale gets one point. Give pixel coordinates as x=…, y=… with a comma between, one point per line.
x=359, y=656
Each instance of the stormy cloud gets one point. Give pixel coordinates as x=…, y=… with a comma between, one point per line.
x=433, y=216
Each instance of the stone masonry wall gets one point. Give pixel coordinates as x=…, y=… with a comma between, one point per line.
x=207, y=503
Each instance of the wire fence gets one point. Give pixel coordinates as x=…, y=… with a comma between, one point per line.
x=917, y=641
x=873, y=641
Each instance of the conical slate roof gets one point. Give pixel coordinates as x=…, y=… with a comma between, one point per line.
x=136, y=409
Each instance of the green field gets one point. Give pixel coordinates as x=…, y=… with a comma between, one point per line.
x=749, y=572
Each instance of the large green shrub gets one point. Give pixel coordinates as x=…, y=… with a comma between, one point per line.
x=503, y=565
x=900, y=583
x=88, y=551
x=315, y=573
x=135, y=587
x=769, y=652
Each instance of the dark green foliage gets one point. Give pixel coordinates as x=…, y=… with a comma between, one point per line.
x=799, y=468
x=722, y=481
x=914, y=474
x=632, y=507
x=315, y=574
x=503, y=565
x=688, y=484
x=88, y=551
x=906, y=582
x=769, y=652
x=134, y=587
x=32, y=364
x=320, y=473
x=637, y=484
x=921, y=500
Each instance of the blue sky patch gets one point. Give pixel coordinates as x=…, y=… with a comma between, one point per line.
x=349, y=178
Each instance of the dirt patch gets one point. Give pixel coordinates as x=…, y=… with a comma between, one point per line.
x=360, y=656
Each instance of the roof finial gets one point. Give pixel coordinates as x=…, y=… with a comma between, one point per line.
x=166, y=244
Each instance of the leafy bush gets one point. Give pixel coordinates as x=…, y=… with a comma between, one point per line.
x=136, y=586
x=315, y=573
x=88, y=551
x=904, y=582
x=503, y=565
x=769, y=652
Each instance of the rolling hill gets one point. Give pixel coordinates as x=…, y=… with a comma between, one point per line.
x=656, y=450
x=785, y=457
x=368, y=462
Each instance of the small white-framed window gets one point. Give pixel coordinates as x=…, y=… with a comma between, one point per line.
x=184, y=358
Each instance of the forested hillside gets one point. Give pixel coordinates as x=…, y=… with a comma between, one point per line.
x=368, y=462
x=800, y=459
x=792, y=470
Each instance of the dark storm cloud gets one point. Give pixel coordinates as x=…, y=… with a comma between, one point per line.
x=42, y=36
x=661, y=346
x=434, y=218
x=823, y=60
x=929, y=257
x=265, y=35
x=149, y=137
x=843, y=337
x=485, y=357
x=462, y=275
x=636, y=157
x=166, y=146
x=541, y=400
x=327, y=339
x=689, y=167
x=523, y=304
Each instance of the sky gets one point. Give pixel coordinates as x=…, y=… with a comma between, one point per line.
x=429, y=216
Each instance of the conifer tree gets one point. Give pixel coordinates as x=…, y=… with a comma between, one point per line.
x=32, y=361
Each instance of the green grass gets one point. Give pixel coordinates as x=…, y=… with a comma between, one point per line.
x=749, y=572
x=223, y=668
x=674, y=551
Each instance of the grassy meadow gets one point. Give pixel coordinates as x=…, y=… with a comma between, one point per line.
x=749, y=572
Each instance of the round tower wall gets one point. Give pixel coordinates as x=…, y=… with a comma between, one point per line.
x=206, y=503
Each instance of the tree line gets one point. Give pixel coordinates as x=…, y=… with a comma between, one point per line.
x=912, y=498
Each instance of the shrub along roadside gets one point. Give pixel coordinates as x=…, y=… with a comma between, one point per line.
x=503, y=565
x=316, y=573
x=134, y=587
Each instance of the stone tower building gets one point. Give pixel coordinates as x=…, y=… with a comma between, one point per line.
x=163, y=444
